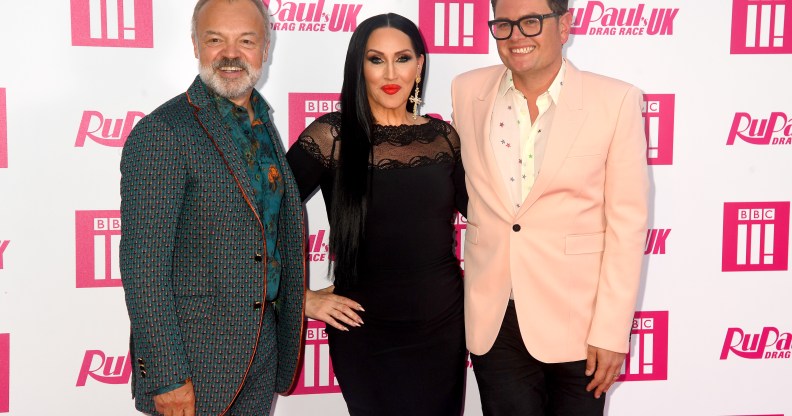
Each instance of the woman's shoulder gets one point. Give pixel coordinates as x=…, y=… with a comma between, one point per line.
x=442, y=127
x=320, y=136
x=332, y=118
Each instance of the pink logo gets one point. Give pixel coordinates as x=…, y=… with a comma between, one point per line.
x=776, y=129
x=656, y=240
x=106, y=131
x=312, y=17
x=769, y=344
x=104, y=369
x=455, y=26
x=597, y=19
x=317, y=376
x=318, y=246
x=98, y=238
x=460, y=228
x=761, y=27
x=648, y=358
x=305, y=107
x=3, y=130
x=658, y=112
x=118, y=23
x=3, y=246
x=755, y=236
x=5, y=372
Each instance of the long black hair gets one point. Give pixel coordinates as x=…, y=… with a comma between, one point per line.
x=351, y=189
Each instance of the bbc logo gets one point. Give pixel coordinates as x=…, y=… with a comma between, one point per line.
x=112, y=23
x=761, y=27
x=755, y=236
x=317, y=376
x=98, y=238
x=455, y=26
x=304, y=108
x=648, y=357
x=658, y=113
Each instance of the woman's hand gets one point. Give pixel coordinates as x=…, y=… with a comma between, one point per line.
x=332, y=309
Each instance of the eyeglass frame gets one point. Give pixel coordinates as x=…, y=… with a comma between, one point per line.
x=513, y=23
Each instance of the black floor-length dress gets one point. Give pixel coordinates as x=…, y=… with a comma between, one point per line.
x=409, y=357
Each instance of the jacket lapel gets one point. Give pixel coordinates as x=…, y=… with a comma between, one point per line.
x=209, y=118
x=483, y=106
x=564, y=130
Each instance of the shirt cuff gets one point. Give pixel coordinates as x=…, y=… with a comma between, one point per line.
x=163, y=390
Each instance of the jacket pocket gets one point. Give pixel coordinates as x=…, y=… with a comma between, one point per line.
x=585, y=243
x=194, y=308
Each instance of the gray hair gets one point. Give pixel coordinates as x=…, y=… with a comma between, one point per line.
x=258, y=3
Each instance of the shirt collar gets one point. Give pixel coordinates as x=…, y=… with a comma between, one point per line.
x=507, y=83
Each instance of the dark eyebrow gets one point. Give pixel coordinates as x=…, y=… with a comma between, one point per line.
x=519, y=18
x=398, y=52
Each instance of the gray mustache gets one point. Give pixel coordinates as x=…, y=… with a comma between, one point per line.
x=230, y=62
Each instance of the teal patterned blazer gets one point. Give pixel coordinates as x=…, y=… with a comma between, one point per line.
x=193, y=260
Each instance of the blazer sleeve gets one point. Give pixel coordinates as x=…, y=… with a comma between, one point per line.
x=153, y=182
x=626, y=211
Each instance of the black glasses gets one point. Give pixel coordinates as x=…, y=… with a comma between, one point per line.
x=530, y=26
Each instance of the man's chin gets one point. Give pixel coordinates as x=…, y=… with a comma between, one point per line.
x=228, y=91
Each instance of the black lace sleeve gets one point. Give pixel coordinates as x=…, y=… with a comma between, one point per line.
x=461, y=195
x=311, y=157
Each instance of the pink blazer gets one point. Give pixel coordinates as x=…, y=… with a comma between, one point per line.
x=575, y=263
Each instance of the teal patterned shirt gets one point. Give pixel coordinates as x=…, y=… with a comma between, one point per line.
x=255, y=144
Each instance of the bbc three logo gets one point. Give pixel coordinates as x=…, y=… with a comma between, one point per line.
x=648, y=357
x=755, y=236
x=5, y=374
x=3, y=130
x=305, y=107
x=761, y=27
x=112, y=23
x=658, y=113
x=455, y=26
x=98, y=238
x=317, y=376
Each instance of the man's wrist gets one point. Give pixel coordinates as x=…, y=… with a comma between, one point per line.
x=163, y=390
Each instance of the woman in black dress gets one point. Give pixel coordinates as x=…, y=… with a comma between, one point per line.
x=392, y=182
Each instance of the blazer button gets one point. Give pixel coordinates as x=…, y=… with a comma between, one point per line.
x=257, y=257
x=140, y=361
x=143, y=373
x=516, y=227
x=256, y=305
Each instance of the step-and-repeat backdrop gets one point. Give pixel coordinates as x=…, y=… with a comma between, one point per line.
x=713, y=326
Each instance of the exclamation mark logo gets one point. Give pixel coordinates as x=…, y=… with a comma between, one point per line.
x=455, y=26
x=658, y=112
x=761, y=26
x=120, y=23
x=765, y=25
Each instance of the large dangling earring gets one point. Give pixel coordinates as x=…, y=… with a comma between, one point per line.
x=416, y=99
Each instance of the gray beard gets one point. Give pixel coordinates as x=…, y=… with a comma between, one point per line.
x=230, y=89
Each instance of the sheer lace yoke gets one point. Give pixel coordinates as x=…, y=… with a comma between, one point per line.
x=433, y=142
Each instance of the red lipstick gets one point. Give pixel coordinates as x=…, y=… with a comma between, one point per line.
x=390, y=89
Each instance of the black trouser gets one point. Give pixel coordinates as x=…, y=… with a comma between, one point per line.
x=512, y=382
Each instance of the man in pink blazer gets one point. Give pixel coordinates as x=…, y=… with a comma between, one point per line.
x=555, y=160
